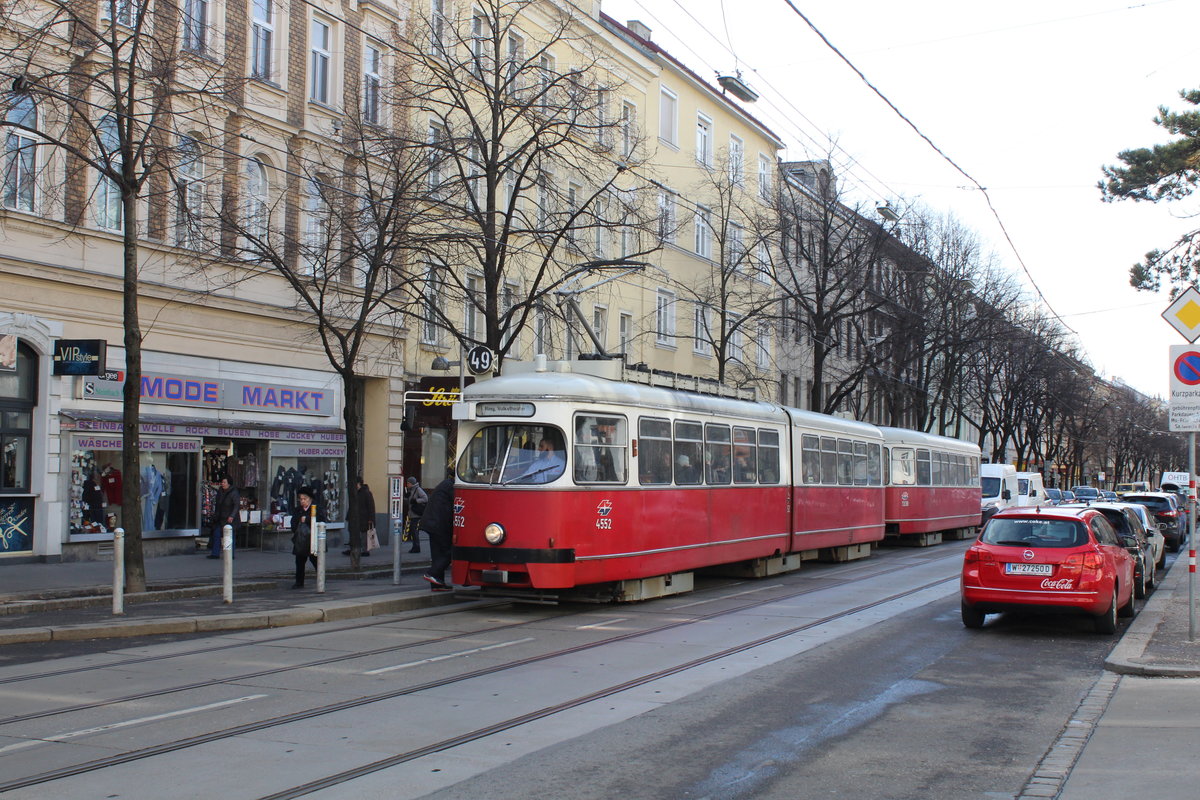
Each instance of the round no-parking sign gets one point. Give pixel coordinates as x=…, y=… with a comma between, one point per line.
x=1187, y=368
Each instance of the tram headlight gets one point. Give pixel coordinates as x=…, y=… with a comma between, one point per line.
x=494, y=533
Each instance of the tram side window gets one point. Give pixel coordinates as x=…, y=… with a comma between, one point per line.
x=861, y=475
x=829, y=460
x=959, y=470
x=810, y=459
x=874, y=465
x=689, y=453
x=845, y=462
x=935, y=469
x=513, y=454
x=600, y=449
x=768, y=456
x=924, y=471
x=745, y=456
x=654, y=451
x=716, y=454
x=904, y=467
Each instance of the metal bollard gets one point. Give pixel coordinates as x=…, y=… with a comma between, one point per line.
x=118, y=607
x=397, y=529
x=227, y=562
x=320, y=558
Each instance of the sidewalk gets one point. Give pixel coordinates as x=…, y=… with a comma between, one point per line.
x=66, y=601
x=1135, y=733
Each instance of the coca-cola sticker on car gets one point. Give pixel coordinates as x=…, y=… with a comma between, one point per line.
x=1061, y=583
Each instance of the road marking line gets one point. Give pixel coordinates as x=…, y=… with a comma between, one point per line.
x=434, y=659
x=601, y=624
x=59, y=737
x=726, y=596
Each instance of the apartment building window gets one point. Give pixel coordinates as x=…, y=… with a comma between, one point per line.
x=574, y=193
x=316, y=227
x=541, y=332
x=195, y=25
x=372, y=83
x=664, y=317
x=126, y=11
x=320, y=58
x=735, y=349
x=603, y=232
x=762, y=263
x=702, y=344
x=628, y=128
x=624, y=331
x=600, y=324
x=546, y=75
x=704, y=140
x=668, y=116
x=189, y=191
x=737, y=161
x=436, y=140
x=512, y=291
x=666, y=216
x=431, y=331
x=603, y=134
x=763, y=356
x=472, y=317
x=480, y=35
x=258, y=200
x=545, y=200
x=703, y=232
x=516, y=61
x=262, y=37
x=765, y=168
x=110, y=212
x=20, y=156
x=735, y=248
x=437, y=27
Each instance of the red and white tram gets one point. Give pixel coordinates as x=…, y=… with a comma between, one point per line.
x=933, y=487
x=567, y=480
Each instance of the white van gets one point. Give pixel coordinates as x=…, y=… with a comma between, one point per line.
x=999, y=485
x=1030, y=490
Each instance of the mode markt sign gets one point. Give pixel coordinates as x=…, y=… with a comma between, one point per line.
x=1184, y=412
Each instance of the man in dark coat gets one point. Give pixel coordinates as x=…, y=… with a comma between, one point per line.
x=227, y=510
x=303, y=529
x=437, y=522
x=366, y=515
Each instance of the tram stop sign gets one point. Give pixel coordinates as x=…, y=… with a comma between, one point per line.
x=480, y=359
x=1185, y=388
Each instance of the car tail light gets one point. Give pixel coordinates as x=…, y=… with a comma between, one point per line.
x=979, y=555
x=1085, y=563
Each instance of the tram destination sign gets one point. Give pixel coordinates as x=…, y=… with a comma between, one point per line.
x=1184, y=402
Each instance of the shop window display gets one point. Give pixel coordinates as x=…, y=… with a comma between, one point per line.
x=166, y=496
x=323, y=475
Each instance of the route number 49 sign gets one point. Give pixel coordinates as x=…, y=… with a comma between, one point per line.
x=480, y=360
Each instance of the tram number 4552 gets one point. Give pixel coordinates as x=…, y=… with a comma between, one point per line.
x=604, y=524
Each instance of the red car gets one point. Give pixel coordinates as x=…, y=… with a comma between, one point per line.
x=1050, y=559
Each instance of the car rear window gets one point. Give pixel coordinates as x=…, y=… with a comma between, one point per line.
x=1152, y=503
x=1035, y=532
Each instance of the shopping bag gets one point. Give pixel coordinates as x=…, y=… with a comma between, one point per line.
x=372, y=539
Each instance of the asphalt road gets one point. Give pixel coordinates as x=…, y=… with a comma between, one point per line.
x=851, y=680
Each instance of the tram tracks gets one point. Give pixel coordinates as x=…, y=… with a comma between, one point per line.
x=350, y=704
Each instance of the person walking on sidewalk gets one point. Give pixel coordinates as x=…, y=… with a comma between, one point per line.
x=417, y=499
x=366, y=516
x=303, y=525
x=437, y=522
x=227, y=510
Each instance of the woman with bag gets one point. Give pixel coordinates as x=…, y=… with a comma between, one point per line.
x=304, y=522
x=368, y=539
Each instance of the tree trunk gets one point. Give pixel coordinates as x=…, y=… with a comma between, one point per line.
x=131, y=502
x=352, y=391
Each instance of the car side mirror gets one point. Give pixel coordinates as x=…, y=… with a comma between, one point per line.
x=1006, y=494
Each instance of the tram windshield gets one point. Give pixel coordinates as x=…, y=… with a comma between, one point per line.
x=513, y=455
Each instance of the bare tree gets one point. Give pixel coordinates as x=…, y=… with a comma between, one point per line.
x=111, y=85
x=529, y=182
x=832, y=256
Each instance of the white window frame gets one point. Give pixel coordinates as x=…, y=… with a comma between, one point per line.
x=765, y=168
x=737, y=161
x=110, y=211
x=437, y=27
x=189, y=187
x=668, y=116
x=763, y=355
x=667, y=219
x=434, y=136
x=508, y=301
x=603, y=134
x=735, y=345
x=195, y=25
x=704, y=139
x=320, y=61
x=431, y=330
x=262, y=39
x=20, y=157
x=258, y=198
x=126, y=10
x=702, y=243
x=701, y=344
x=600, y=323
x=735, y=247
x=664, y=317
x=372, y=83
x=515, y=61
x=624, y=330
x=473, y=320
x=628, y=127
x=316, y=226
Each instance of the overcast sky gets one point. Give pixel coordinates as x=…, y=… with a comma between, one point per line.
x=1028, y=97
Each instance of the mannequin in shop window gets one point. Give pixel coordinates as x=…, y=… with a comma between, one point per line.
x=151, y=490
x=93, y=500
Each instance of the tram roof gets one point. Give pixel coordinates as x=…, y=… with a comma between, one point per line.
x=906, y=436
x=587, y=390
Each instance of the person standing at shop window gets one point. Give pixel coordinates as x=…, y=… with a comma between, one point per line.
x=303, y=522
x=227, y=510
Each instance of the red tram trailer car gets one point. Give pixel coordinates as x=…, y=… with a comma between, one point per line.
x=567, y=480
x=932, y=489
